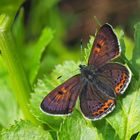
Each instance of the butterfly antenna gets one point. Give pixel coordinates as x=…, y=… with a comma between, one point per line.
x=97, y=21
x=81, y=51
x=81, y=58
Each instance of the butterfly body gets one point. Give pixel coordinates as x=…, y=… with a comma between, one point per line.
x=91, y=76
x=87, y=72
x=98, y=84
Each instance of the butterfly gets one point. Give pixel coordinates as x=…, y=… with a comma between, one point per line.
x=98, y=84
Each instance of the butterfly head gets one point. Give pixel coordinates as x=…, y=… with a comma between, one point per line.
x=86, y=71
x=82, y=66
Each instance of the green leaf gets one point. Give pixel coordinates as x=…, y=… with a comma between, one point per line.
x=9, y=111
x=127, y=45
x=138, y=137
x=10, y=6
x=44, y=86
x=39, y=47
x=104, y=128
x=67, y=70
x=136, y=52
x=5, y=22
x=25, y=130
x=10, y=57
x=19, y=31
x=87, y=50
x=40, y=16
x=125, y=118
x=75, y=127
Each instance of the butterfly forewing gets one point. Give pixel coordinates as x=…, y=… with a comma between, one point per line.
x=62, y=99
x=94, y=103
x=116, y=75
x=105, y=47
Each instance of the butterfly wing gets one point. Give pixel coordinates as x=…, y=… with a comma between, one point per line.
x=94, y=103
x=63, y=98
x=105, y=47
x=116, y=75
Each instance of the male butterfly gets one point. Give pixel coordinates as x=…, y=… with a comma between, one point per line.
x=98, y=84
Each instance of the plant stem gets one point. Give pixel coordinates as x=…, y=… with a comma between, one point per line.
x=18, y=80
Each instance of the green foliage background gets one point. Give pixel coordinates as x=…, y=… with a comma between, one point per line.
x=32, y=58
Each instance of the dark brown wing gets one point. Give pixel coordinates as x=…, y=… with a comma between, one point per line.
x=116, y=75
x=105, y=47
x=62, y=99
x=94, y=103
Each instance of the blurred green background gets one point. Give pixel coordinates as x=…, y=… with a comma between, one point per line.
x=46, y=33
x=70, y=21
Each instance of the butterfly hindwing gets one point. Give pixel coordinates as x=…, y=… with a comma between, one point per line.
x=116, y=75
x=63, y=98
x=105, y=47
x=94, y=103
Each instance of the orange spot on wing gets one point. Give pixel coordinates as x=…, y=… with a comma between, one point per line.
x=103, y=108
x=63, y=90
x=120, y=85
x=99, y=46
x=97, y=50
x=101, y=42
